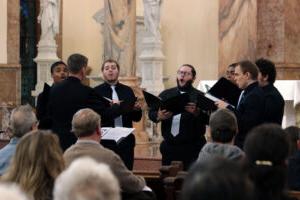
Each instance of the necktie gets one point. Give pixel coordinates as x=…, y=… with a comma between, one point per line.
x=175, y=125
x=118, y=120
x=241, y=98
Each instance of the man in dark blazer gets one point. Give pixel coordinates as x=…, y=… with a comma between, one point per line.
x=274, y=101
x=123, y=103
x=183, y=133
x=69, y=96
x=250, y=109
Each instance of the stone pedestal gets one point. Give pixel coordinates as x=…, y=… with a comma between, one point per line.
x=151, y=60
x=46, y=57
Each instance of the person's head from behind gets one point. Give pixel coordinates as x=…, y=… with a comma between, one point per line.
x=266, y=149
x=230, y=72
x=293, y=137
x=11, y=192
x=37, y=161
x=85, y=179
x=217, y=179
x=87, y=123
x=267, y=71
x=59, y=71
x=186, y=75
x=223, y=126
x=22, y=120
x=110, y=70
x=245, y=73
x=77, y=65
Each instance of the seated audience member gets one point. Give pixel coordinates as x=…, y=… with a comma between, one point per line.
x=217, y=179
x=230, y=72
x=293, y=134
x=86, y=125
x=38, y=160
x=95, y=182
x=266, y=150
x=223, y=128
x=59, y=72
x=11, y=192
x=22, y=120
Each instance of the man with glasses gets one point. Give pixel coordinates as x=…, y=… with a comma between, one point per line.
x=183, y=133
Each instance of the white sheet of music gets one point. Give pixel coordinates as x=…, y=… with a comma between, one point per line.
x=109, y=133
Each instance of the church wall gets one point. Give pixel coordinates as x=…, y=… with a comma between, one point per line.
x=3, y=31
x=81, y=33
x=190, y=35
x=189, y=32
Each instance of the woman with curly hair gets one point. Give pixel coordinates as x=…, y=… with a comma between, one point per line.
x=38, y=160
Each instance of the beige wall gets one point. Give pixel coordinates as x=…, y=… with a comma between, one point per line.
x=3, y=31
x=190, y=35
x=189, y=32
x=80, y=32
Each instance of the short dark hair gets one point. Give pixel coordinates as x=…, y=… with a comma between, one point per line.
x=217, y=179
x=248, y=66
x=76, y=62
x=192, y=69
x=266, y=149
x=223, y=126
x=110, y=61
x=233, y=65
x=267, y=67
x=56, y=64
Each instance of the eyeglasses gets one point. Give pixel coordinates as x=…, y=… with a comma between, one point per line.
x=184, y=73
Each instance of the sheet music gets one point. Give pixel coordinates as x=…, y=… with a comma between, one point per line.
x=109, y=133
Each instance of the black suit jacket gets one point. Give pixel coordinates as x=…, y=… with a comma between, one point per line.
x=125, y=94
x=250, y=112
x=274, y=105
x=66, y=98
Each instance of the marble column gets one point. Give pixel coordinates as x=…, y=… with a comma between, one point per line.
x=237, y=31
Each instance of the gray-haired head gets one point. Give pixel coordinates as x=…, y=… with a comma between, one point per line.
x=95, y=182
x=22, y=120
x=11, y=192
x=76, y=62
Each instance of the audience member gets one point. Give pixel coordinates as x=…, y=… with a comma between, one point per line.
x=59, y=72
x=11, y=192
x=217, y=179
x=250, y=109
x=86, y=125
x=124, y=107
x=274, y=102
x=22, y=120
x=183, y=133
x=222, y=127
x=266, y=149
x=95, y=182
x=38, y=160
x=293, y=136
x=230, y=72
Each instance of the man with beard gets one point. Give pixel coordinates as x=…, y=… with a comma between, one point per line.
x=124, y=107
x=183, y=133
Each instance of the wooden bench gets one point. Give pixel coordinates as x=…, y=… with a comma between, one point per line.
x=294, y=194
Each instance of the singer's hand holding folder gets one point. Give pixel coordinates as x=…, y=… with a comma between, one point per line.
x=174, y=104
x=224, y=90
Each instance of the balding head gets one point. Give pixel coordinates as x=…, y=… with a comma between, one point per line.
x=85, y=122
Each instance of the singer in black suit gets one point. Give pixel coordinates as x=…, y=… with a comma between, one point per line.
x=69, y=96
x=183, y=134
x=126, y=108
x=250, y=109
x=274, y=101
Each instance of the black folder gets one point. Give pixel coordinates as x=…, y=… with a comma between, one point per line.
x=205, y=103
x=225, y=90
x=174, y=104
